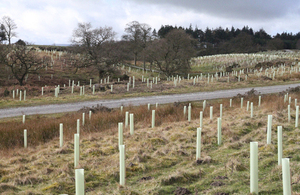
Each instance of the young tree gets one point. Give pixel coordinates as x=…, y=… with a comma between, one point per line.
x=172, y=54
x=22, y=60
x=8, y=25
x=96, y=48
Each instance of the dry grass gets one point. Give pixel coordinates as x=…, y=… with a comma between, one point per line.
x=158, y=160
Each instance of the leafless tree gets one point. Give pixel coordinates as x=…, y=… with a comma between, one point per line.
x=138, y=35
x=8, y=25
x=22, y=60
x=96, y=48
x=172, y=54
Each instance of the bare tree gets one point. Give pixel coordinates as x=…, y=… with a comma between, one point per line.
x=138, y=35
x=146, y=38
x=172, y=54
x=96, y=48
x=8, y=25
x=22, y=60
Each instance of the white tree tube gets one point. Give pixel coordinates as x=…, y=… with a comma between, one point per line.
x=126, y=119
x=242, y=101
x=297, y=116
x=122, y=165
x=248, y=103
x=251, y=108
x=131, y=124
x=79, y=182
x=189, y=113
x=120, y=130
x=279, y=143
x=76, y=150
x=78, y=126
x=269, y=129
x=25, y=138
x=198, y=144
x=153, y=118
x=254, y=167
x=83, y=119
x=289, y=113
x=286, y=176
x=219, y=131
x=211, y=112
x=201, y=119
x=61, y=135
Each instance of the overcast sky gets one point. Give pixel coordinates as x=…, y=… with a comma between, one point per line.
x=53, y=21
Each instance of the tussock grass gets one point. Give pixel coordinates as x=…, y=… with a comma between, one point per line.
x=158, y=160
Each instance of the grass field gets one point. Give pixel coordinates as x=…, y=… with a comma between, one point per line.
x=159, y=160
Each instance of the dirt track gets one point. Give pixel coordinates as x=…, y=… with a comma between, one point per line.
x=59, y=108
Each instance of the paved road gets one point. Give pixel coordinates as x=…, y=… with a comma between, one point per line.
x=58, y=108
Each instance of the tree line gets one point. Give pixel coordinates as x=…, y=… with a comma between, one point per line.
x=235, y=40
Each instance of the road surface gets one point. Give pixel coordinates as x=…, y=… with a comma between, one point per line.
x=163, y=99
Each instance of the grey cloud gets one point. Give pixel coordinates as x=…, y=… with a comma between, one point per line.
x=235, y=9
